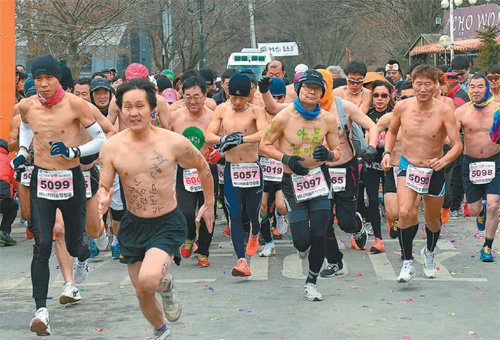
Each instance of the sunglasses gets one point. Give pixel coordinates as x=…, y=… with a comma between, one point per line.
x=494, y=78
x=461, y=73
x=278, y=97
x=354, y=81
x=406, y=97
x=383, y=95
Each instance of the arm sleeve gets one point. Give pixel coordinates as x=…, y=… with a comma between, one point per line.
x=25, y=135
x=98, y=138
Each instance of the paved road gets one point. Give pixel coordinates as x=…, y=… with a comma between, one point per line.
x=463, y=302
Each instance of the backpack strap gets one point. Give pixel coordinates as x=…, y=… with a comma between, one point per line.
x=343, y=121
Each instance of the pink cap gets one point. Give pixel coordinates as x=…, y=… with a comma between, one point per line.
x=297, y=76
x=136, y=70
x=170, y=95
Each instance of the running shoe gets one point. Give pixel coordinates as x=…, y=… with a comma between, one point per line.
x=187, y=248
x=281, y=223
x=226, y=231
x=359, y=239
x=311, y=292
x=80, y=271
x=407, y=272
x=252, y=245
x=203, y=261
x=466, y=210
x=333, y=269
x=94, y=251
x=70, y=294
x=454, y=215
x=378, y=246
x=429, y=265
x=392, y=229
x=486, y=255
x=171, y=301
x=276, y=234
x=241, y=269
x=40, y=324
x=481, y=219
x=369, y=228
x=269, y=249
x=6, y=239
x=115, y=251
x=165, y=335
x=102, y=241
x=445, y=215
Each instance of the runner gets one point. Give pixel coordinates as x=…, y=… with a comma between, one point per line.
x=82, y=88
x=223, y=95
x=242, y=173
x=354, y=90
x=62, y=187
x=425, y=122
x=276, y=68
x=153, y=228
x=290, y=88
x=100, y=94
x=481, y=162
x=300, y=131
x=254, y=98
x=8, y=207
x=493, y=74
x=209, y=102
x=461, y=66
x=192, y=121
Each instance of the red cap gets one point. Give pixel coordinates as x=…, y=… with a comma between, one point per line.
x=136, y=70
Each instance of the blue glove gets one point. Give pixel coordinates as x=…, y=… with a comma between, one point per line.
x=20, y=160
x=59, y=149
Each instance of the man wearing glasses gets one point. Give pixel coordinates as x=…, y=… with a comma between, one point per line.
x=493, y=74
x=460, y=65
x=354, y=90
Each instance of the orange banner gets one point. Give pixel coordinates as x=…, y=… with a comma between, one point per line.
x=7, y=64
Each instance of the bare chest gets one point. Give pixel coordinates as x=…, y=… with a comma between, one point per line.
x=242, y=122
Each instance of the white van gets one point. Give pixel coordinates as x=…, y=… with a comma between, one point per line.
x=249, y=58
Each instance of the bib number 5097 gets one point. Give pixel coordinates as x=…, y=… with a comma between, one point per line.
x=309, y=184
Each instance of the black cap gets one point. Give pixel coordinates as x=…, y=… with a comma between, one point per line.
x=163, y=83
x=311, y=77
x=239, y=85
x=46, y=64
x=99, y=83
x=250, y=74
x=4, y=144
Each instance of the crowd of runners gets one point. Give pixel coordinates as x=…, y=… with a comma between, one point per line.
x=111, y=155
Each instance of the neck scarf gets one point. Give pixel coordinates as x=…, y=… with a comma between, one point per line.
x=54, y=99
x=310, y=115
x=327, y=100
x=488, y=96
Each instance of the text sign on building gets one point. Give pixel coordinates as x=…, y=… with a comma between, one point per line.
x=281, y=49
x=468, y=20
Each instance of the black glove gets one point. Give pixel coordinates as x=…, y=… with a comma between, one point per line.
x=294, y=165
x=264, y=84
x=230, y=141
x=368, y=155
x=321, y=153
x=60, y=149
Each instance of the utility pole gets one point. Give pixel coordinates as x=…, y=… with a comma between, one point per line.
x=252, y=24
x=166, y=17
x=200, y=11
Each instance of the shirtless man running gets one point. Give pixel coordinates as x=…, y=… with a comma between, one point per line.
x=153, y=228
x=301, y=130
x=52, y=120
x=425, y=122
x=354, y=91
x=481, y=162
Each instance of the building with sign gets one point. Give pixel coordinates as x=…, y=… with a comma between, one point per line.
x=467, y=21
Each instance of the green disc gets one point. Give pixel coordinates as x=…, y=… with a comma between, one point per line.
x=195, y=135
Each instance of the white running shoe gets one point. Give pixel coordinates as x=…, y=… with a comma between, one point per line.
x=171, y=302
x=429, y=265
x=80, y=271
x=269, y=249
x=281, y=223
x=102, y=241
x=312, y=293
x=40, y=323
x=369, y=228
x=407, y=271
x=166, y=335
x=70, y=294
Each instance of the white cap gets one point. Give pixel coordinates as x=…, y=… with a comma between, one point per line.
x=301, y=68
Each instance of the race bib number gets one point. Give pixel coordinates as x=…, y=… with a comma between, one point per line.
x=55, y=184
x=338, y=176
x=191, y=180
x=245, y=175
x=220, y=173
x=26, y=176
x=310, y=186
x=418, y=179
x=272, y=170
x=481, y=172
x=88, y=188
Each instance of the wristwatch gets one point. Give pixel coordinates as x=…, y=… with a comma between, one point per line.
x=386, y=153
